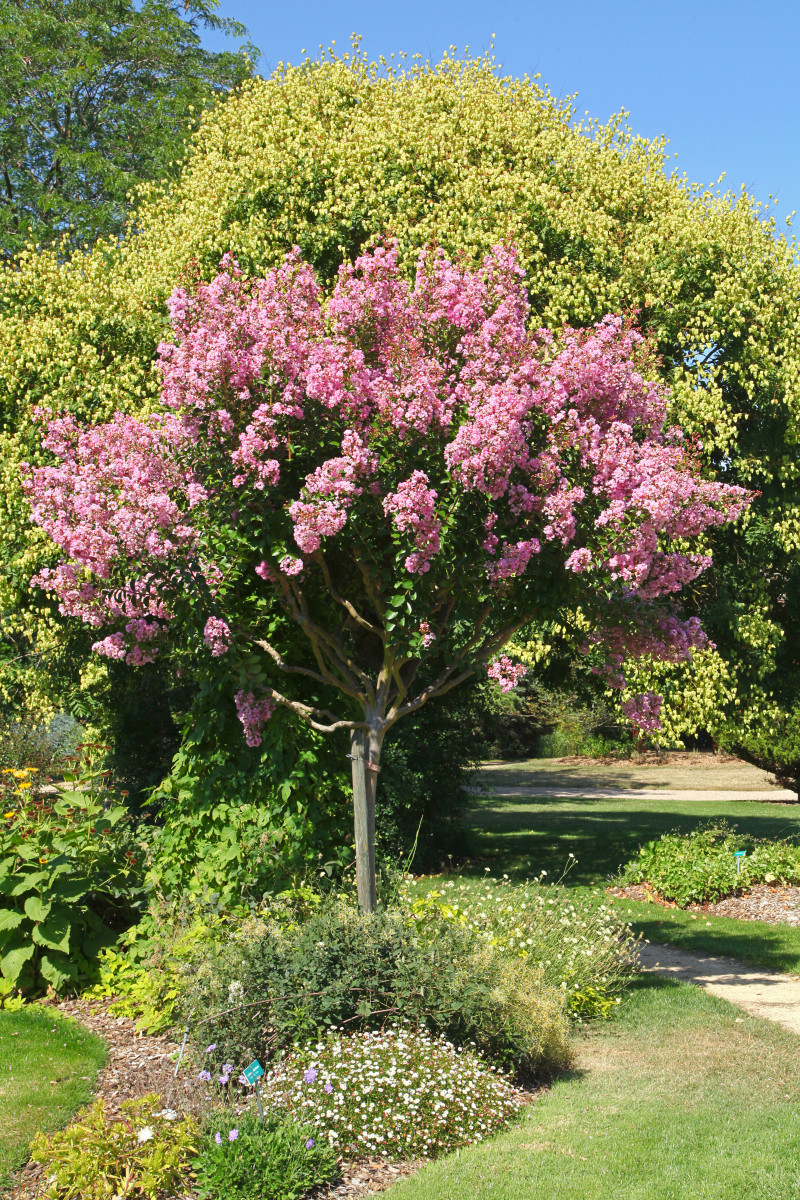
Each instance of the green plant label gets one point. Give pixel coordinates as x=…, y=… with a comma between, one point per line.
x=253, y=1072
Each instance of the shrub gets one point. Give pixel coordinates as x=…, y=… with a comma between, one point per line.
x=70, y=880
x=278, y=1159
x=396, y=1093
x=145, y=1154
x=700, y=867
x=287, y=976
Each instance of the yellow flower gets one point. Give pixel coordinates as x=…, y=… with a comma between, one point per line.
x=9, y=814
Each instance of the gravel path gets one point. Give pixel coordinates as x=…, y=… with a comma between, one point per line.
x=767, y=994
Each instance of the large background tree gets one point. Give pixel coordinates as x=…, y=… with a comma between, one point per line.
x=327, y=155
x=96, y=98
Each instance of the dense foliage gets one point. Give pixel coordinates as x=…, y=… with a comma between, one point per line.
x=701, y=867
x=99, y=1156
x=277, y=505
x=328, y=155
x=244, y=1158
x=71, y=879
x=96, y=98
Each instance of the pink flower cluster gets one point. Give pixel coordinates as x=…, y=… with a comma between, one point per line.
x=412, y=508
x=217, y=636
x=644, y=711
x=253, y=714
x=423, y=415
x=506, y=673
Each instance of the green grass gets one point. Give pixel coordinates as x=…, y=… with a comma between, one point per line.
x=521, y=837
x=47, y=1067
x=681, y=1096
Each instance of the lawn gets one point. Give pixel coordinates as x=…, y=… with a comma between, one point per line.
x=522, y=836
x=47, y=1067
x=681, y=1096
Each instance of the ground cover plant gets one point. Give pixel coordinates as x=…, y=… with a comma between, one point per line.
x=681, y=1095
x=142, y=1153
x=397, y=1093
x=251, y=1159
x=49, y=1066
x=702, y=866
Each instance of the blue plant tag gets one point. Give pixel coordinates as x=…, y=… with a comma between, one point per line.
x=739, y=853
x=253, y=1072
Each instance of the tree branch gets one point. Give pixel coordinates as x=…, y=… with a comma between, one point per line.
x=319, y=558
x=308, y=712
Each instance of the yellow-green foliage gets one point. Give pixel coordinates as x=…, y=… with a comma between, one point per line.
x=144, y=1154
x=329, y=154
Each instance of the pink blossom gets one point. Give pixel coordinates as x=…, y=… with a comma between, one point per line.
x=412, y=509
x=217, y=636
x=644, y=711
x=253, y=714
x=506, y=673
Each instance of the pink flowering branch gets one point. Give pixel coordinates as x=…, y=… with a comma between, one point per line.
x=402, y=472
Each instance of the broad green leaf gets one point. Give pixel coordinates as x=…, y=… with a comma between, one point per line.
x=54, y=933
x=57, y=970
x=28, y=883
x=36, y=909
x=13, y=961
x=9, y=919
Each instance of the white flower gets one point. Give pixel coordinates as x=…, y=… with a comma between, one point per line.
x=145, y=1134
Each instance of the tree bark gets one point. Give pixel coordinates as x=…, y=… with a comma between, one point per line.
x=365, y=753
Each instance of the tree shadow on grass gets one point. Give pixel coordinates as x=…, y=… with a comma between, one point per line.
x=523, y=836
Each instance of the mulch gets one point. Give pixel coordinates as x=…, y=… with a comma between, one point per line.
x=775, y=905
x=138, y=1064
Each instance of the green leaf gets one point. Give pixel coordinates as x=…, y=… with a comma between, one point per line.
x=10, y=919
x=57, y=970
x=28, y=883
x=54, y=933
x=36, y=909
x=13, y=961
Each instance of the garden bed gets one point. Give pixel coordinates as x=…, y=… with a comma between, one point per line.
x=140, y=1063
x=762, y=902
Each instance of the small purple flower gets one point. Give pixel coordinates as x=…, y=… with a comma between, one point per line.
x=328, y=1088
x=213, y=1046
x=244, y=1081
x=310, y=1075
x=218, y=1138
x=204, y=1076
x=310, y=1144
x=233, y=1135
x=227, y=1068
x=224, y=1079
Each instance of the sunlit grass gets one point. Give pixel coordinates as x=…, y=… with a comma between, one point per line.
x=47, y=1067
x=681, y=1096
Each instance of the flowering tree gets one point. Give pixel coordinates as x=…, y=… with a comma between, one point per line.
x=366, y=497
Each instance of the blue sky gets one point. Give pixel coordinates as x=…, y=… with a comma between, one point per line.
x=720, y=80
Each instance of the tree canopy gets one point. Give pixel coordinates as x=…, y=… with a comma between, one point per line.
x=329, y=154
x=397, y=480
x=97, y=97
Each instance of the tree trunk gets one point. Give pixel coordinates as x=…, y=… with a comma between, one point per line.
x=365, y=753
